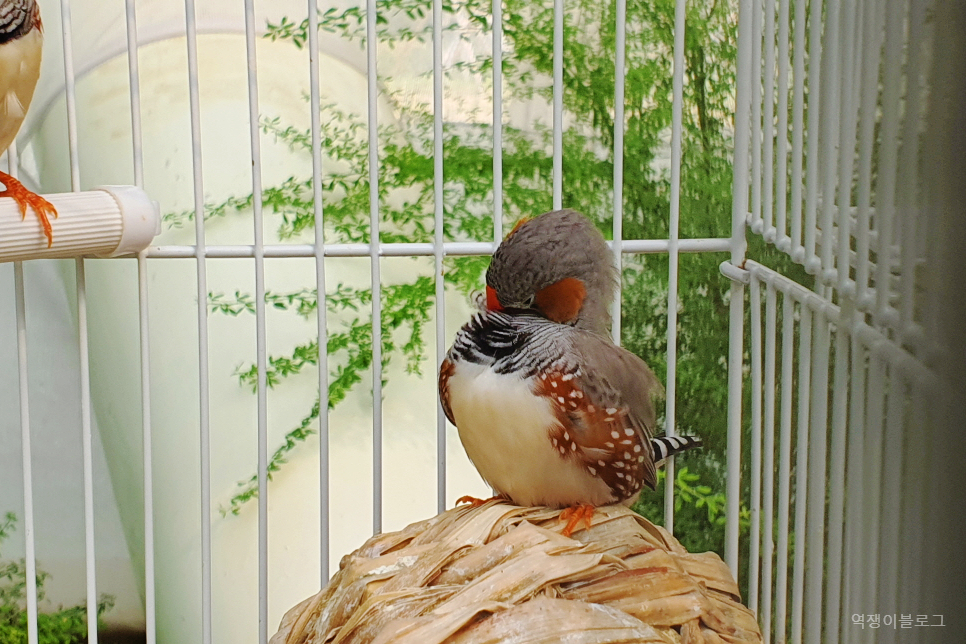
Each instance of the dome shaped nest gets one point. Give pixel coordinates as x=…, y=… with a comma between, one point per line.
x=503, y=573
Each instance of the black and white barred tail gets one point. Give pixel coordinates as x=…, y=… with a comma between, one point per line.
x=665, y=446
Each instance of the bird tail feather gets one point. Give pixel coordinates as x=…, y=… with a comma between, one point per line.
x=665, y=446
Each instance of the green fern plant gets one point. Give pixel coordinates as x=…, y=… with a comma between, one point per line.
x=64, y=626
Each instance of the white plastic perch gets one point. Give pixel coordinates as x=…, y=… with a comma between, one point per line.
x=105, y=222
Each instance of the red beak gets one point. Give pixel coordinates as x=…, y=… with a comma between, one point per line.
x=492, y=302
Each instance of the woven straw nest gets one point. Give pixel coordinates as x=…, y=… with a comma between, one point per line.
x=503, y=573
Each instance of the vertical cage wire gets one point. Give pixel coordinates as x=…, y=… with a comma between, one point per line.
x=798, y=134
x=872, y=467
x=782, y=239
x=851, y=88
x=829, y=116
x=812, y=151
x=801, y=466
x=87, y=449
x=871, y=45
x=497, y=10
x=784, y=469
x=374, y=259
x=30, y=554
x=768, y=448
x=150, y=601
x=851, y=41
x=558, y=92
x=739, y=209
x=768, y=126
x=674, y=218
x=70, y=95
x=30, y=546
x=261, y=351
x=848, y=168
x=866, y=437
x=891, y=507
x=733, y=458
x=144, y=335
x=191, y=38
x=836, y=478
x=83, y=341
x=315, y=108
x=754, y=505
x=888, y=155
x=908, y=182
x=854, y=500
x=843, y=490
x=841, y=149
x=438, y=252
x=757, y=128
x=918, y=455
x=846, y=118
x=815, y=507
x=620, y=53
x=836, y=481
x=30, y=557
x=134, y=91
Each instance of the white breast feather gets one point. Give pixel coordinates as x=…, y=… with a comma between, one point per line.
x=19, y=71
x=504, y=429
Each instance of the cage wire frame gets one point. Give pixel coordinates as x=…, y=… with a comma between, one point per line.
x=848, y=208
x=859, y=323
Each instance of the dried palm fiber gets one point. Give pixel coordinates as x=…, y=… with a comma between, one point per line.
x=504, y=573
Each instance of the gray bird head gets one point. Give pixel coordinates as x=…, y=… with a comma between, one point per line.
x=558, y=264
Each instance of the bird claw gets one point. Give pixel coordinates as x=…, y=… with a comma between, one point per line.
x=24, y=198
x=573, y=516
x=474, y=502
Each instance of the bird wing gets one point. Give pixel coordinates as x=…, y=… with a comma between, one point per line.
x=617, y=375
x=607, y=406
x=446, y=370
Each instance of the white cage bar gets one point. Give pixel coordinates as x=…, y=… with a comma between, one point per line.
x=191, y=39
x=30, y=558
x=374, y=266
x=674, y=219
x=829, y=109
x=318, y=252
x=261, y=351
x=850, y=81
x=617, y=246
x=438, y=244
x=86, y=411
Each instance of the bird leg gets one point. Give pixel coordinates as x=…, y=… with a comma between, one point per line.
x=474, y=502
x=19, y=193
x=573, y=516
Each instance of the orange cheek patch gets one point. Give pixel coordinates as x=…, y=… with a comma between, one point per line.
x=561, y=301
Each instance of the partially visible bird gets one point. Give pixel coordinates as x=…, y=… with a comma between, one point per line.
x=551, y=411
x=21, y=43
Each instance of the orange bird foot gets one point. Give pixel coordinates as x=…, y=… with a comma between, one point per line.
x=23, y=197
x=574, y=515
x=474, y=502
